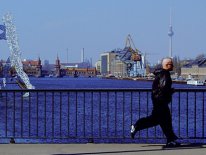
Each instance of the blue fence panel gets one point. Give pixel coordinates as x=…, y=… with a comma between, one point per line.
x=95, y=115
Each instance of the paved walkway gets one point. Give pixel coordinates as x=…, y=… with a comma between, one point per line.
x=99, y=149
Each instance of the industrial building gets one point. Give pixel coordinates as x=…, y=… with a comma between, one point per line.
x=127, y=62
x=195, y=68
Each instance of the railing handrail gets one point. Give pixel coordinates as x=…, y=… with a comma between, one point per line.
x=101, y=89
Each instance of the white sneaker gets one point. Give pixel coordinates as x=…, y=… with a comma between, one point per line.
x=132, y=132
x=132, y=128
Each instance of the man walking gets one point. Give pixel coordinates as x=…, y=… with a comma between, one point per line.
x=161, y=97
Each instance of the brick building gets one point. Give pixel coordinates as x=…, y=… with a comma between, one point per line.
x=32, y=67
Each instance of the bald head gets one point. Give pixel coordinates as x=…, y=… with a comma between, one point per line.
x=167, y=64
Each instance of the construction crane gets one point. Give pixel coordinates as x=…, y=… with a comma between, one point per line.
x=132, y=57
x=136, y=54
x=135, y=65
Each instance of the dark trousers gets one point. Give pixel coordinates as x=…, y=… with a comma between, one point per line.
x=160, y=116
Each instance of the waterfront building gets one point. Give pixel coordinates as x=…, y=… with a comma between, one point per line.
x=76, y=65
x=126, y=62
x=47, y=69
x=81, y=72
x=7, y=70
x=106, y=65
x=39, y=68
x=98, y=67
x=195, y=68
x=32, y=67
x=122, y=63
x=57, y=68
x=82, y=69
x=119, y=68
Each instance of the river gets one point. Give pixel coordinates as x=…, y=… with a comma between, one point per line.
x=64, y=83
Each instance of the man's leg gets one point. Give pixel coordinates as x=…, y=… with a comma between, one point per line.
x=165, y=121
x=143, y=123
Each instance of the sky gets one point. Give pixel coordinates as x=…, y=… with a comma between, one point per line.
x=47, y=28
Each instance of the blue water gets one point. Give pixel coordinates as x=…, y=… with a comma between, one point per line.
x=69, y=82
x=86, y=83
x=60, y=83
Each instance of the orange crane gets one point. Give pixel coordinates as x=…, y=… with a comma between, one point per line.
x=136, y=54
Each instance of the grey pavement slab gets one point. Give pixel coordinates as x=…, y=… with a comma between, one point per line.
x=99, y=149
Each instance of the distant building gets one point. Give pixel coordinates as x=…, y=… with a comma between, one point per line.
x=98, y=67
x=123, y=63
x=118, y=68
x=46, y=62
x=106, y=65
x=75, y=65
x=195, y=68
x=131, y=62
x=32, y=67
x=81, y=72
x=57, y=68
x=47, y=69
x=7, y=70
x=82, y=69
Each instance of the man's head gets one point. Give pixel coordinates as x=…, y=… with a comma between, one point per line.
x=167, y=64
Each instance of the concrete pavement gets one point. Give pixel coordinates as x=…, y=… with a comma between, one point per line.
x=99, y=149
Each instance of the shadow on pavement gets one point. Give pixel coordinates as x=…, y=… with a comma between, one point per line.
x=183, y=146
x=187, y=146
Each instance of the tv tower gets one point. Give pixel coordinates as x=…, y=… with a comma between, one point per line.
x=82, y=55
x=170, y=34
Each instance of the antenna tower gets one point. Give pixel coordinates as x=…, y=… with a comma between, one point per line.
x=170, y=34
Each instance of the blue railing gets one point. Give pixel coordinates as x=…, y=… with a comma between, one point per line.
x=95, y=115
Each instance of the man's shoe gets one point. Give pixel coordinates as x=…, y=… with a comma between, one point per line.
x=173, y=144
x=132, y=132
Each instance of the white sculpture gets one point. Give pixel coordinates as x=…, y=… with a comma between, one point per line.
x=15, y=57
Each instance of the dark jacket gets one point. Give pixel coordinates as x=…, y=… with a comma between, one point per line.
x=162, y=87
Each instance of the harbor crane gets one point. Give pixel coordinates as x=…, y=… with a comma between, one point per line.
x=136, y=54
x=132, y=58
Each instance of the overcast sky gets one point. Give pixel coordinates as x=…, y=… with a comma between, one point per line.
x=49, y=27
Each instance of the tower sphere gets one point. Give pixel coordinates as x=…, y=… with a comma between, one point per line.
x=170, y=32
